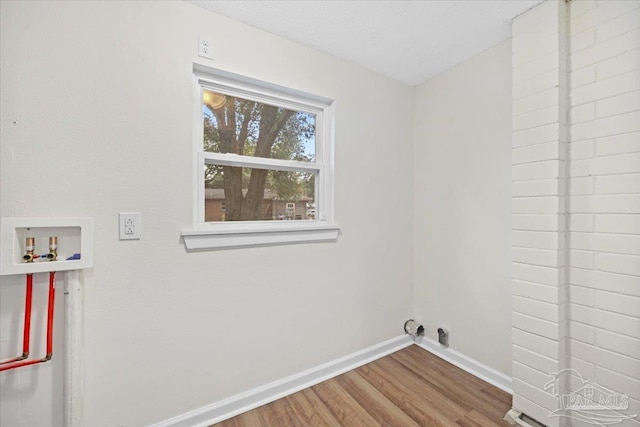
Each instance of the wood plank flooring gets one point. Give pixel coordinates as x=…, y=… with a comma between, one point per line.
x=410, y=387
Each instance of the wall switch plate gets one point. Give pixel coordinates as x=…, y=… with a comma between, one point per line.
x=205, y=46
x=130, y=225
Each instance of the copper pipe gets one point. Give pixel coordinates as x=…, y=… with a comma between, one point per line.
x=53, y=248
x=29, y=247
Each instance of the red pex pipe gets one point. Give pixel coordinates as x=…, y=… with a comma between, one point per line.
x=25, y=363
x=27, y=316
x=26, y=335
x=52, y=294
x=15, y=359
x=20, y=360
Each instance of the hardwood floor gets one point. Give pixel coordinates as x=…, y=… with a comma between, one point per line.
x=411, y=387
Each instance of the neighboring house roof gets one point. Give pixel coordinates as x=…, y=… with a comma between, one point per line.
x=218, y=194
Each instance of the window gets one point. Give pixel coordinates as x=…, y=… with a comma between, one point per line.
x=290, y=210
x=263, y=164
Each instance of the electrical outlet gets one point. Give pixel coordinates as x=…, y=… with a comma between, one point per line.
x=204, y=46
x=130, y=225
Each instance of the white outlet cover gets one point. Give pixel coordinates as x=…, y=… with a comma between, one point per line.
x=205, y=48
x=130, y=225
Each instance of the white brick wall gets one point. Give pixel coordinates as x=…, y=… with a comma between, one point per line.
x=540, y=99
x=604, y=257
x=604, y=296
x=576, y=295
x=619, y=283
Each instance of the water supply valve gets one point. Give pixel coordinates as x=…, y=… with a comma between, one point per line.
x=53, y=249
x=29, y=248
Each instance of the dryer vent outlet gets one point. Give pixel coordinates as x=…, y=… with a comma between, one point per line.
x=443, y=336
x=414, y=328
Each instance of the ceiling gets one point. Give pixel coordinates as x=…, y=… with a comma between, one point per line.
x=410, y=41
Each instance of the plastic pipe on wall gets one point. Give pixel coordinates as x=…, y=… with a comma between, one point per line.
x=26, y=337
x=50, y=308
x=73, y=387
x=26, y=334
x=29, y=257
x=20, y=362
x=73, y=395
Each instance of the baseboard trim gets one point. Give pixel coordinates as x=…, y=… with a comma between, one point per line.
x=475, y=368
x=259, y=396
x=243, y=402
x=515, y=417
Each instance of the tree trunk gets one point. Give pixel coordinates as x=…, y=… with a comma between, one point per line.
x=272, y=120
x=227, y=119
x=232, y=140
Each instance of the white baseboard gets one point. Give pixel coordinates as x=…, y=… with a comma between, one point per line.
x=475, y=368
x=514, y=417
x=235, y=405
x=251, y=399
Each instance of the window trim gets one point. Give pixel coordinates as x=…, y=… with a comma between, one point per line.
x=236, y=234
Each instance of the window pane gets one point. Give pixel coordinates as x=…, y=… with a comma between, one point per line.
x=250, y=128
x=247, y=194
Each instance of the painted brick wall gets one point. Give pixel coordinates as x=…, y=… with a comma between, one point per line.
x=604, y=196
x=539, y=141
x=576, y=200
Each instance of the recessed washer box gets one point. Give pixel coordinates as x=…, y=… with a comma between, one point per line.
x=75, y=236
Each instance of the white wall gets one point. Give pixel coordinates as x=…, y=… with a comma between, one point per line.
x=96, y=118
x=462, y=206
x=604, y=195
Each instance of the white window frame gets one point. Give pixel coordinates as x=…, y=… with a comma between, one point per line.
x=236, y=234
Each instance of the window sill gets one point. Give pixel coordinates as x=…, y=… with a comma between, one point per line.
x=214, y=239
